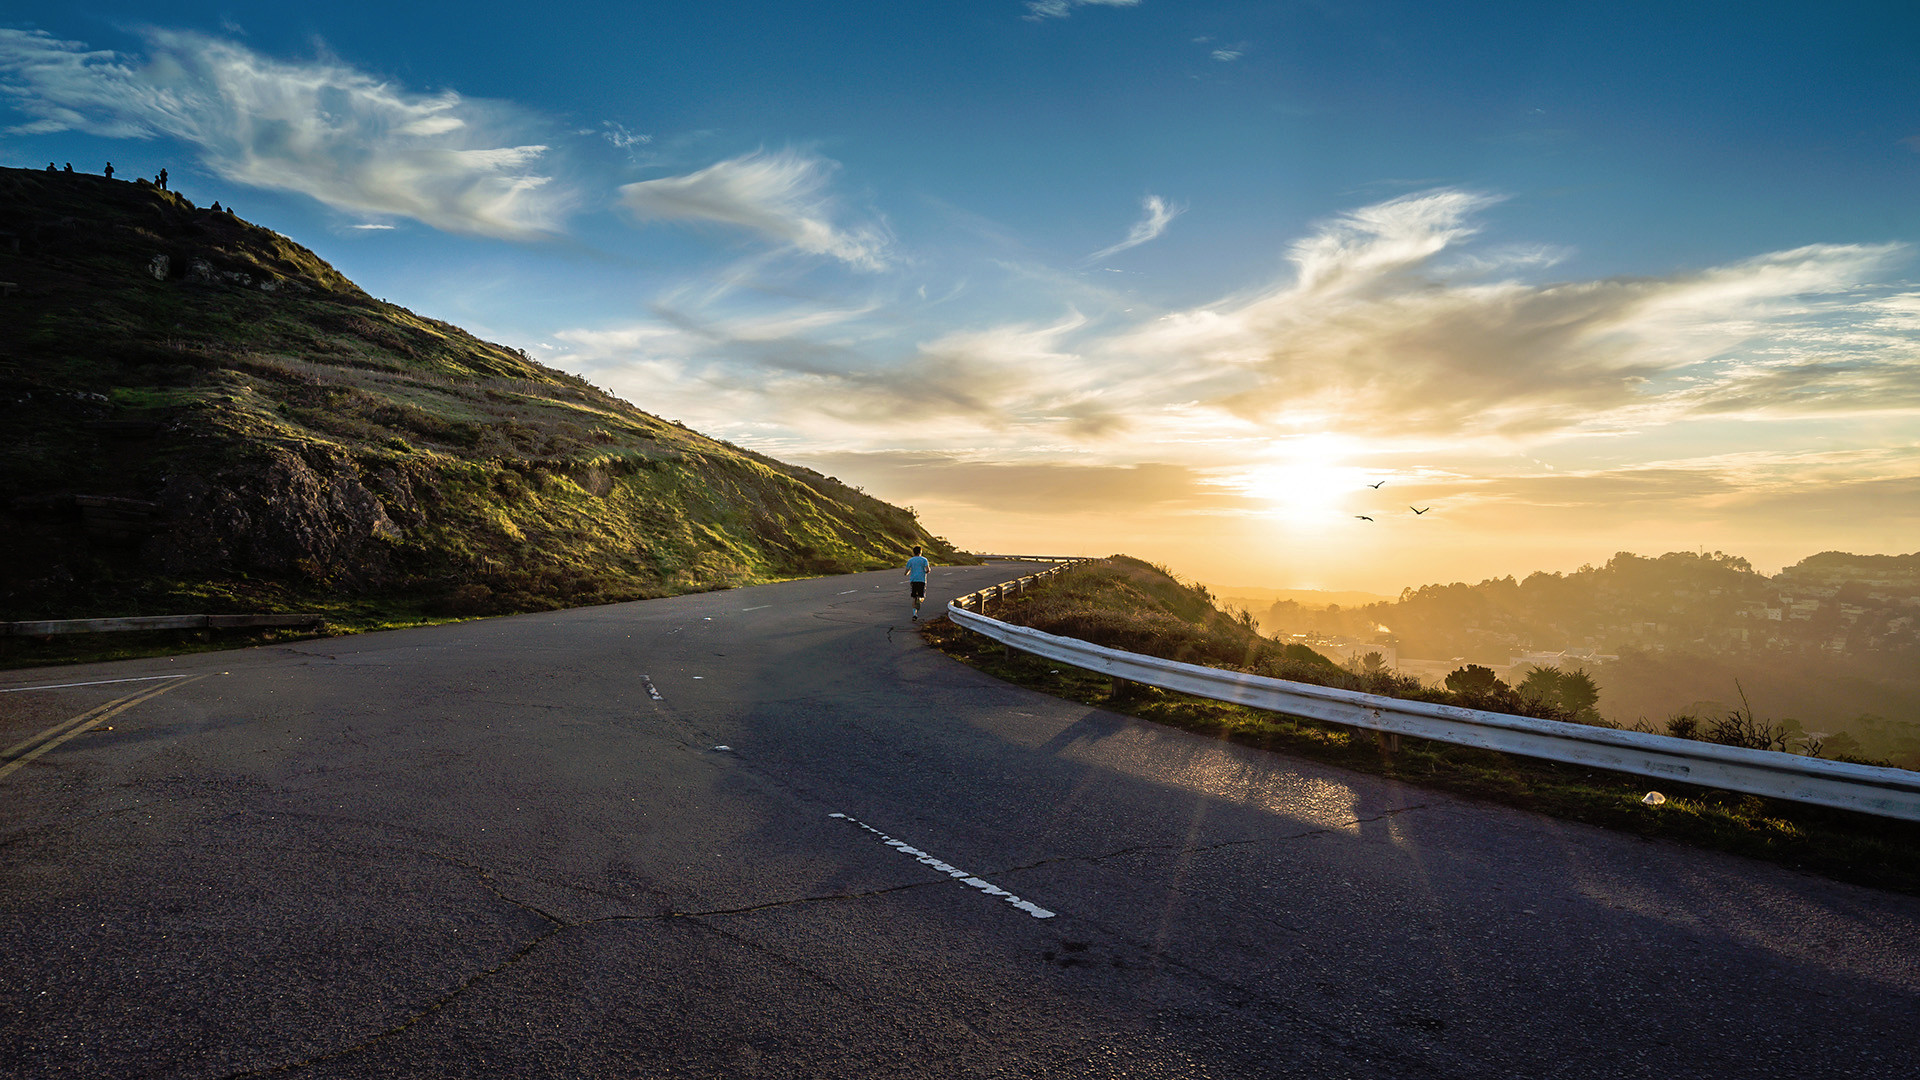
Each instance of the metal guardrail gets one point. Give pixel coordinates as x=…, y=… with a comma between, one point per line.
x=153, y=622
x=1871, y=789
x=979, y=598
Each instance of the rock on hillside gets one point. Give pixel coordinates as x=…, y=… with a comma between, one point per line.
x=197, y=413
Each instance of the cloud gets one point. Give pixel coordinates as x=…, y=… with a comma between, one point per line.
x=777, y=195
x=370, y=226
x=1369, y=335
x=623, y=137
x=845, y=377
x=1422, y=353
x=319, y=128
x=1159, y=215
x=1227, y=56
x=1041, y=487
x=1757, y=493
x=1060, y=9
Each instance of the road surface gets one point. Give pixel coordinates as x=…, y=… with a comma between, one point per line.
x=768, y=832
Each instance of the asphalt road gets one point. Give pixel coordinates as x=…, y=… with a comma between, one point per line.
x=825, y=850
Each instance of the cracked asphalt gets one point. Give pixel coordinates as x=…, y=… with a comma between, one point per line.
x=486, y=849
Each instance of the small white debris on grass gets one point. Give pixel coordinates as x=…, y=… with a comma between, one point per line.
x=1654, y=798
x=723, y=748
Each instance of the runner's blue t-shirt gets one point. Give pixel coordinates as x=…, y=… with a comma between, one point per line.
x=917, y=568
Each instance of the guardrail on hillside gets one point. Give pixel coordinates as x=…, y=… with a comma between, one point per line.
x=154, y=622
x=980, y=597
x=1887, y=792
x=1032, y=558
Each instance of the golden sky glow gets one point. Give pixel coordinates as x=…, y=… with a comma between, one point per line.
x=1765, y=407
x=1180, y=280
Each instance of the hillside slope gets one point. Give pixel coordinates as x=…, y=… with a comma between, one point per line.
x=197, y=414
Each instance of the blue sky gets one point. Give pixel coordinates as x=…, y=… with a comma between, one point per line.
x=1180, y=279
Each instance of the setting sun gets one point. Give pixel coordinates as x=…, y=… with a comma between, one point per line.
x=1311, y=484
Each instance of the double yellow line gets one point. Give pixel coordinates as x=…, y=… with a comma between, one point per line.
x=22, y=752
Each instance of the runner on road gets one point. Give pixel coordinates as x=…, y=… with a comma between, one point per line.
x=917, y=568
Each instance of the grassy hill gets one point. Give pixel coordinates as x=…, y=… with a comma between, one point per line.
x=198, y=414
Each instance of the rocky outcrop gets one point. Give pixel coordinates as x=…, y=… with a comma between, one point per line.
x=317, y=518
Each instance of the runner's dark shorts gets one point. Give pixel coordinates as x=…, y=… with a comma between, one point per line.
x=919, y=588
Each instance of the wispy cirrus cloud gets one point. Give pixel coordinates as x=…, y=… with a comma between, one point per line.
x=1060, y=9
x=1369, y=332
x=1158, y=215
x=779, y=195
x=1391, y=327
x=623, y=137
x=320, y=128
x=1396, y=344
x=827, y=373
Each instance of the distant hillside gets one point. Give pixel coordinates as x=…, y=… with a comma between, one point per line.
x=199, y=414
x=1832, y=603
x=1832, y=642
x=1257, y=600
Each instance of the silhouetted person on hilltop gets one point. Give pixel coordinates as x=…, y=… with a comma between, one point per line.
x=216, y=206
x=109, y=170
x=163, y=179
x=50, y=167
x=69, y=167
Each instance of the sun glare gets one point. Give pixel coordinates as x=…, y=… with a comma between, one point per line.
x=1311, y=484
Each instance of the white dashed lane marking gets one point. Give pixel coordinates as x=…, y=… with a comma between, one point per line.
x=951, y=871
x=757, y=607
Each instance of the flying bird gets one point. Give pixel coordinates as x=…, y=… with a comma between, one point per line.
x=1363, y=517
x=1376, y=487
x=1418, y=510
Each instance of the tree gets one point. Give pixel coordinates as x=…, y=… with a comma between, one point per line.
x=1473, y=680
x=1579, y=695
x=1542, y=684
x=1372, y=664
x=1572, y=693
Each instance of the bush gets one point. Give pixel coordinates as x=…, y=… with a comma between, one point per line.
x=465, y=600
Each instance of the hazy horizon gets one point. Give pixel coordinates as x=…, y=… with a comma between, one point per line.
x=1185, y=281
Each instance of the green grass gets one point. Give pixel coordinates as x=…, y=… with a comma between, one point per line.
x=285, y=423
x=134, y=645
x=1127, y=599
